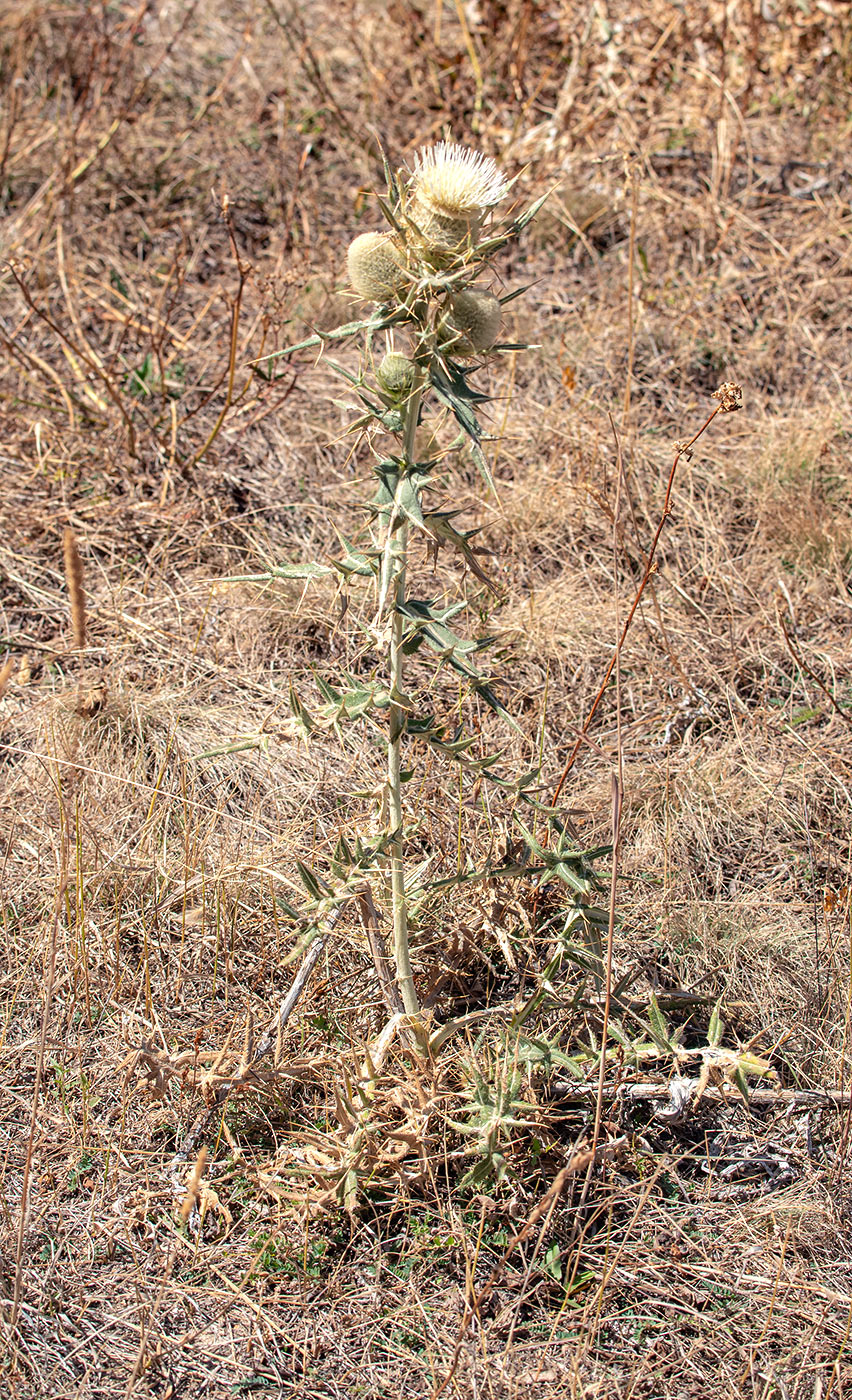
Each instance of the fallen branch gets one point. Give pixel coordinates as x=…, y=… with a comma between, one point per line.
x=661, y=1093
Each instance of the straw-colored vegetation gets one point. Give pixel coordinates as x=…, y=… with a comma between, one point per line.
x=596, y=1143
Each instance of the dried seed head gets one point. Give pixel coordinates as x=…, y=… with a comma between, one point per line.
x=730, y=397
x=76, y=588
x=454, y=181
x=193, y=1185
x=473, y=322
x=374, y=266
x=396, y=375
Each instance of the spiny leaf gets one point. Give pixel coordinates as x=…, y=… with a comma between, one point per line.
x=390, y=179
x=304, y=722
x=409, y=502
x=451, y=387
x=374, y=323
x=309, y=570
x=349, y=377
x=389, y=213
x=356, y=561
x=658, y=1025
x=309, y=880
x=529, y=214
x=439, y=525
x=716, y=1028
x=327, y=691
x=741, y=1082
x=518, y=292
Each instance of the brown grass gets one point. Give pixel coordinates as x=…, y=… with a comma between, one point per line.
x=699, y=232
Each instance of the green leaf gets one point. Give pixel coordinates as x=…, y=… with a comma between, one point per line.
x=409, y=502
x=741, y=1082
x=452, y=389
x=439, y=525
x=658, y=1025
x=327, y=691
x=309, y=880
x=304, y=723
x=390, y=179
x=356, y=561
x=493, y=1166
x=553, y=1262
x=354, y=379
x=529, y=214
x=373, y=323
x=342, y=860
x=571, y=873
x=388, y=472
x=253, y=741
x=542, y=1053
x=518, y=292
x=390, y=214
x=309, y=570
x=716, y=1028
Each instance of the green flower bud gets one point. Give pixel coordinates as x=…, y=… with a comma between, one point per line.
x=473, y=323
x=374, y=267
x=396, y=375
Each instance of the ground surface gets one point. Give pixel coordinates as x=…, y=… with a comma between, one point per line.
x=699, y=232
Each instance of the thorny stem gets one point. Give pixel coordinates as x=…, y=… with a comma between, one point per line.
x=401, y=953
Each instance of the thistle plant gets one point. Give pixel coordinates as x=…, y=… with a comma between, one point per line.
x=435, y=322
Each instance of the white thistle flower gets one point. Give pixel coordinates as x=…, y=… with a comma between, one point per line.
x=453, y=181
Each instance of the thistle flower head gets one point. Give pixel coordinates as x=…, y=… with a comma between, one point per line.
x=472, y=324
x=454, y=181
x=396, y=375
x=373, y=262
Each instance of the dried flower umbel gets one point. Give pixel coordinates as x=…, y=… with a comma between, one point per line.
x=429, y=278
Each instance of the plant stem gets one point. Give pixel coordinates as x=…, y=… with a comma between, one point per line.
x=401, y=954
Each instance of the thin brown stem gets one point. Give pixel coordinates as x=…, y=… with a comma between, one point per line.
x=682, y=449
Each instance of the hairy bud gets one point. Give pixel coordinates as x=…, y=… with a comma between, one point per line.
x=396, y=375
x=473, y=323
x=443, y=232
x=374, y=267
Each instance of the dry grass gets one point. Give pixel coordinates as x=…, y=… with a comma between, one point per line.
x=700, y=232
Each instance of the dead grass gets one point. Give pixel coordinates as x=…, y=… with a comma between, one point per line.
x=145, y=858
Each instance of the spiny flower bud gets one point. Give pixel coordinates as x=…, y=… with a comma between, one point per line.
x=396, y=375
x=474, y=320
x=374, y=267
x=445, y=233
